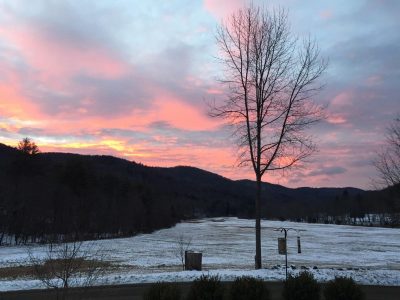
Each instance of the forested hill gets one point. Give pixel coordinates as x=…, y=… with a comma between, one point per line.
x=96, y=196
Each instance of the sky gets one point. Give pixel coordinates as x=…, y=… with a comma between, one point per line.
x=133, y=78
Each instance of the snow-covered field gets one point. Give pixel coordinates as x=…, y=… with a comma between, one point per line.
x=369, y=255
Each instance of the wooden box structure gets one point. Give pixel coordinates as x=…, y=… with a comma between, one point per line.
x=193, y=260
x=282, y=246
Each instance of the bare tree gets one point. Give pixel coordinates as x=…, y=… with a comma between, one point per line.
x=68, y=264
x=28, y=146
x=388, y=161
x=271, y=78
x=182, y=245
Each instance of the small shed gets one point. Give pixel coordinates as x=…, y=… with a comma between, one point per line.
x=193, y=260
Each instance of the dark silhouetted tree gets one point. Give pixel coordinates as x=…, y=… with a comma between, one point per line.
x=388, y=161
x=28, y=146
x=270, y=78
x=388, y=165
x=67, y=264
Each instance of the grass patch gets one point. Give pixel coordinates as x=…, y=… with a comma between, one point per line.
x=15, y=272
x=29, y=271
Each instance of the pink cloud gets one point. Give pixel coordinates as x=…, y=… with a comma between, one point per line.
x=40, y=93
x=374, y=80
x=56, y=61
x=181, y=114
x=223, y=8
x=343, y=99
x=326, y=14
x=175, y=112
x=336, y=119
x=215, y=91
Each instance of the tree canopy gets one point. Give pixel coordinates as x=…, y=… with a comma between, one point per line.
x=28, y=146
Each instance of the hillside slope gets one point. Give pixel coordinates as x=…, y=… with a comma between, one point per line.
x=91, y=195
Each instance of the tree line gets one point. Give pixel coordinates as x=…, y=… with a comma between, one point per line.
x=45, y=196
x=372, y=208
x=48, y=196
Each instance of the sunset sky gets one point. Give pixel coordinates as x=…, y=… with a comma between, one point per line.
x=132, y=79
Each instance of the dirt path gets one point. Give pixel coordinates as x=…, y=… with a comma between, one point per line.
x=135, y=292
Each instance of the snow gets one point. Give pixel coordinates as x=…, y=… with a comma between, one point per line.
x=370, y=255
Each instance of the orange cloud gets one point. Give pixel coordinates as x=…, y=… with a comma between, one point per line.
x=219, y=160
x=98, y=145
x=14, y=104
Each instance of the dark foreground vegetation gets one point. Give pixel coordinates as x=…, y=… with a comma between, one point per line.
x=338, y=289
x=45, y=196
x=300, y=287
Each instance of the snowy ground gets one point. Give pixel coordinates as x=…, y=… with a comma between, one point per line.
x=369, y=255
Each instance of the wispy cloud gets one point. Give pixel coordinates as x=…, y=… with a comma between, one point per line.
x=132, y=79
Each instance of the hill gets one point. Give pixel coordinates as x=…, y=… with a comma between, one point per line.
x=97, y=196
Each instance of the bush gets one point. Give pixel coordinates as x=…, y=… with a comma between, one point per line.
x=163, y=291
x=301, y=287
x=206, y=288
x=342, y=288
x=248, y=288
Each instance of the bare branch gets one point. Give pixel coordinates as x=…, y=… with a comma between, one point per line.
x=183, y=244
x=271, y=79
x=68, y=264
x=387, y=162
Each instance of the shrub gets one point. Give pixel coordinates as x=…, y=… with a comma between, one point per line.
x=301, y=287
x=163, y=291
x=206, y=288
x=342, y=288
x=248, y=288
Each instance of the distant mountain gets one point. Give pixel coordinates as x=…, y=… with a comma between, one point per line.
x=97, y=196
x=279, y=192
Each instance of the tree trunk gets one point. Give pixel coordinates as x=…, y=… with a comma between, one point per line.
x=258, y=224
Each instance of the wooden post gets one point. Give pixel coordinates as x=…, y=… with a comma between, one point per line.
x=282, y=246
x=298, y=245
